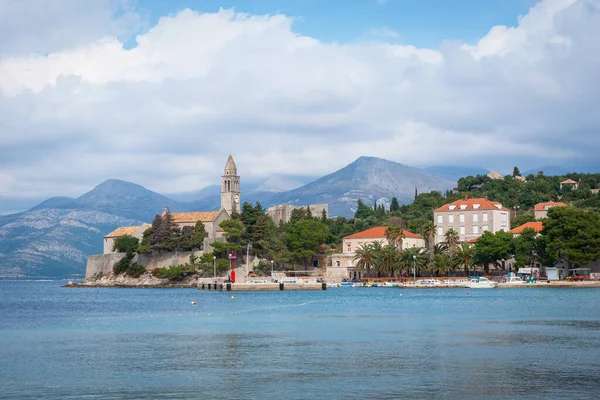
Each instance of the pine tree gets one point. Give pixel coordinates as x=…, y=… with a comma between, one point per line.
x=516, y=172
x=394, y=205
x=308, y=212
x=324, y=216
x=416, y=193
x=196, y=240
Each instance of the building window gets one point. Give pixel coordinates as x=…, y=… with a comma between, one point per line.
x=462, y=230
x=462, y=217
x=349, y=248
x=486, y=228
x=440, y=232
x=337, y=263
x=475, y=217
x=475, y=230
x=440, y=219
x=451, y=219
x=503, y=217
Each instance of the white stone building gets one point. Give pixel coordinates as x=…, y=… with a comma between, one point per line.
x=470, y=218
x=283, y=212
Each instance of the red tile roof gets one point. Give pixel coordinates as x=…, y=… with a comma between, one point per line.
x=379, y=233
x=187, y=217
x=536, y=226
x=568, y=182
x=474, y=240
x=545, y=206
x=484, y=204
x=126, y=230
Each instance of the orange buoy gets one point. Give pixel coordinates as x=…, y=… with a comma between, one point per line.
x=194, y=303
x=467, y=293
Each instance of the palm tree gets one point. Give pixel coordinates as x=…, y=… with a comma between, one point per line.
x=463, y=256
x=394, y=234
x=388, y=259
x=365, y=257
x=442, y=263
x=412, y=257
x=429, y=235
x=452, y=239
x=440, y=248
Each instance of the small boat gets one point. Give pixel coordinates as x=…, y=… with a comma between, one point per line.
x=479, y=282
x=514, y=279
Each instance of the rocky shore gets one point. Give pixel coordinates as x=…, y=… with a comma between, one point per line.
x=146, y=280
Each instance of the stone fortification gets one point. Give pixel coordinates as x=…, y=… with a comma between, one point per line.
x=283, y=212
x=102, y=264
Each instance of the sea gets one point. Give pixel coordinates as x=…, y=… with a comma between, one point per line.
x=342, y=343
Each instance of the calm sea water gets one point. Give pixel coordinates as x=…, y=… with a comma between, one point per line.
x=339, y=344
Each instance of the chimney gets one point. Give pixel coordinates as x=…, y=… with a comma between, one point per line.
x=486, y=197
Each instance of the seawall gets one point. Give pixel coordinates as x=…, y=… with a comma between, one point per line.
x=102, y=264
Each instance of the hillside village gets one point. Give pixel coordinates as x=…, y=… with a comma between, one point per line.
x=537, y=226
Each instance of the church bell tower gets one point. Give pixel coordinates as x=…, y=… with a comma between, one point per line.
x=230, y=187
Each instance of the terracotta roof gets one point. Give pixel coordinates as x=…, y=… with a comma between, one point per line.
x=545, y=206
x=536, y=226
x=204, y=216
x=568, y=182
x=125, y=231
x=484, y=204
x=379, y=233
x=474, y=240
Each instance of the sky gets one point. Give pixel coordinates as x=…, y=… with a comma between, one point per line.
x=159, y=93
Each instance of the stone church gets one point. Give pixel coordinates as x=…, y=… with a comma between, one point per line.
x=230, y=202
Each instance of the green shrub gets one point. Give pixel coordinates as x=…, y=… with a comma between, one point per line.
x=122, y=266
x=135, y=270
x=176, y=272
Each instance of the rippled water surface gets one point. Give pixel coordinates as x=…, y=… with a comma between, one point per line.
x=337, y=344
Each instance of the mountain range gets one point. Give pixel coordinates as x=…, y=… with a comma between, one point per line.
x=54, y=238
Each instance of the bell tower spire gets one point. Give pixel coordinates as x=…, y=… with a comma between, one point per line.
x=230, y=187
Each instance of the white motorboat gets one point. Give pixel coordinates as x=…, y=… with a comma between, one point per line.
x=479, y=282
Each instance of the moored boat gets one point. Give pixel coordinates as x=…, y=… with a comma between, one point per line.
x=479, y=282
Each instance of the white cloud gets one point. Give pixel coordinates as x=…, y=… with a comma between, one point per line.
x=166, y=113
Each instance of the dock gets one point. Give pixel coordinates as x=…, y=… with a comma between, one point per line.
x=261, y=287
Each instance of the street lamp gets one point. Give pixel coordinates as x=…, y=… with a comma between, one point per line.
x=414, y=267
x=215, y=267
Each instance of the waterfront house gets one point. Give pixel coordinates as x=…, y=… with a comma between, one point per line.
x=470, y=218
x=343, y=265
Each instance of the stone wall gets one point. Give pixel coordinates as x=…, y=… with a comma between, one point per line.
x=102, y=264
x=164, y=260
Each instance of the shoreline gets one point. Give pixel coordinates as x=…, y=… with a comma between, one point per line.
x=256, y=287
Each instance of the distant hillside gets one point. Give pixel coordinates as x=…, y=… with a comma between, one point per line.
x=54, y=238
x=549, y=170
x=368, y=179
x=454, y=173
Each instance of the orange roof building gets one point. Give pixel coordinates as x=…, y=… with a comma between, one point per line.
x=469, y=218
x=537, y=226
x=379, y=232
x=541, y=209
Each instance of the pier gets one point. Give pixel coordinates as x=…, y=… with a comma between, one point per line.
x=261, y=287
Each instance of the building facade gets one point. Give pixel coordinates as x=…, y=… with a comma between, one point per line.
x=133, y=231
x=541, y=209
x=343, y=265
x=282, y=213
x=470, y=218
